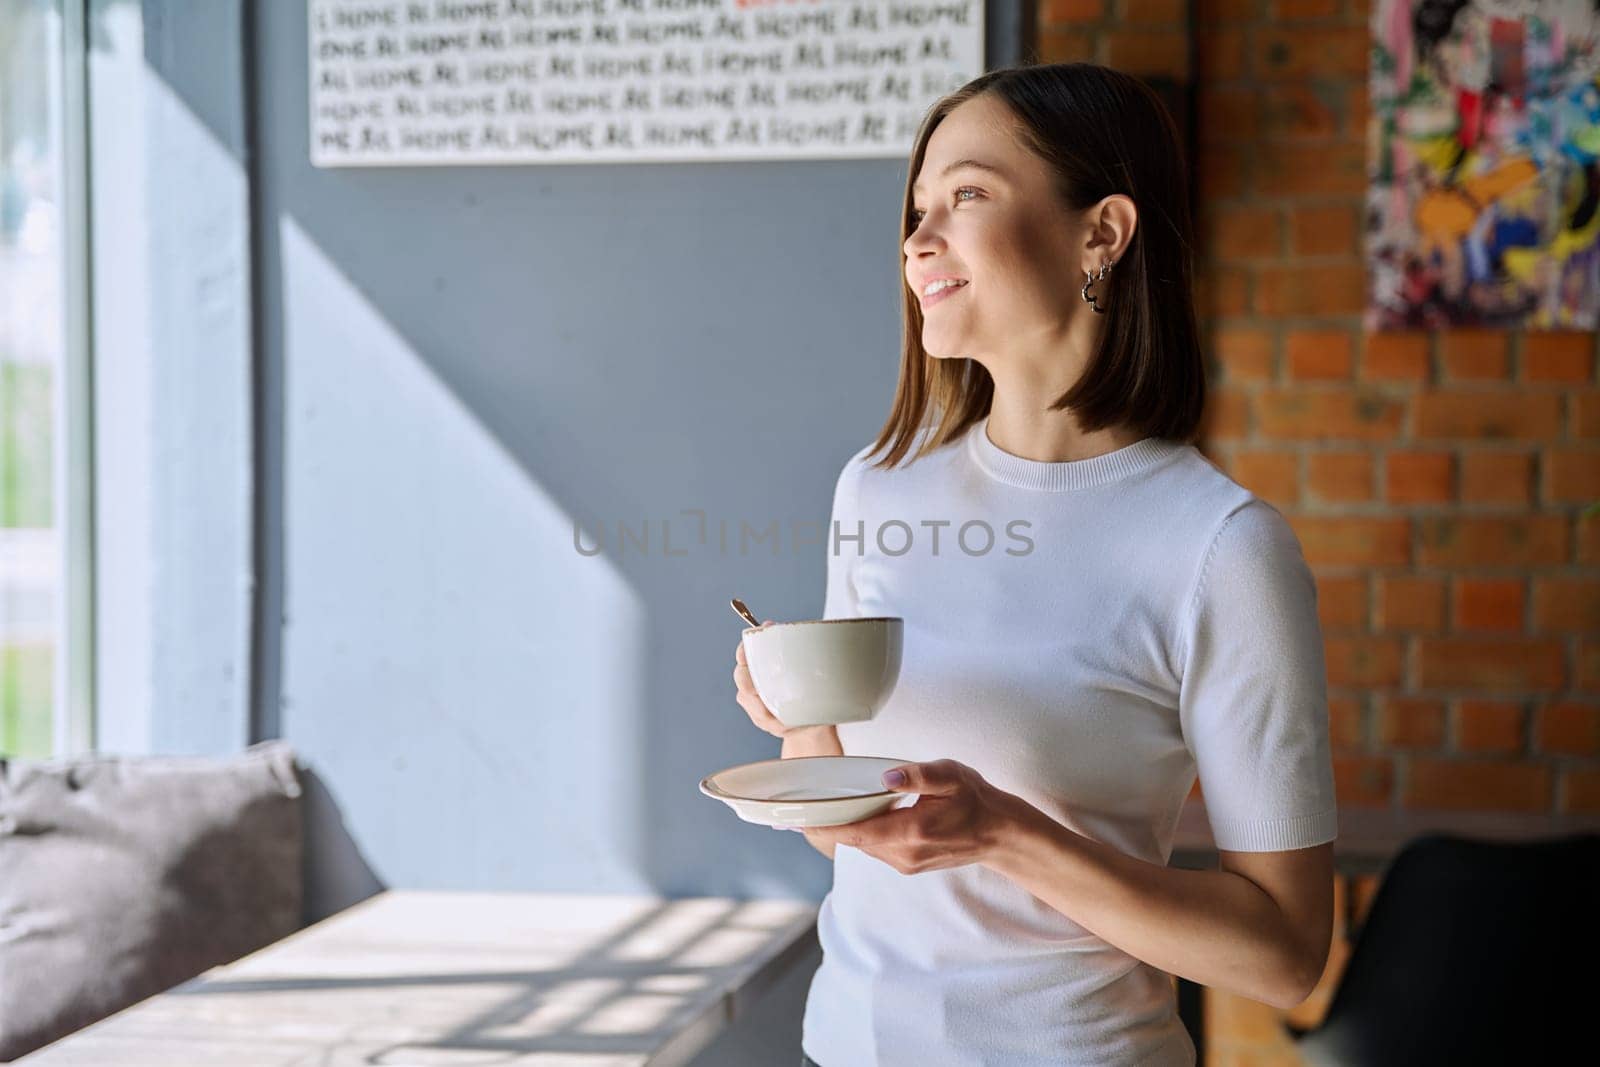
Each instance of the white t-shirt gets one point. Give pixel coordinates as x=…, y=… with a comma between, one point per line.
x=1126, y=621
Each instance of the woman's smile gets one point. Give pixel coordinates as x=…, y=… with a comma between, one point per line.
x=941, y=294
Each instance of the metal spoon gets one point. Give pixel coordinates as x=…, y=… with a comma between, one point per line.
x=744, y=612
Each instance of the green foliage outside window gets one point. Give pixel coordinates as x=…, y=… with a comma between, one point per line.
x=25, y=725
x=26, y=408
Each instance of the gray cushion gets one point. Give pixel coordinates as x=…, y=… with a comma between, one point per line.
x=123, y=876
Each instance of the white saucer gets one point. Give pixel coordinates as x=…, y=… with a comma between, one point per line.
x=807, y=790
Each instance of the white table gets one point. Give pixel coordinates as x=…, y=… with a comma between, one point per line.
x=441, y=978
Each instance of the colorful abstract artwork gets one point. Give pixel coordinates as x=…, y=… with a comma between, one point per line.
x=1483, y=160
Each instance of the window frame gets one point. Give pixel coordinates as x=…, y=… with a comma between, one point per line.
x=73, y=706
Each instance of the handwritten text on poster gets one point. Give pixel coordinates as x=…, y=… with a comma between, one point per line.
x=409, y=82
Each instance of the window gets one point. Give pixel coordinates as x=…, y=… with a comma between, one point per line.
x=43, y=377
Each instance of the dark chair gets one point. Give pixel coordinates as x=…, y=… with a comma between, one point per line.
x=1472, y=952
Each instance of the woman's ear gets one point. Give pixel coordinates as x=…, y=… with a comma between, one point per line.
x=1111, y=225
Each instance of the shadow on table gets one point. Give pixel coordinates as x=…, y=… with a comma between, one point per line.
x=673, y=983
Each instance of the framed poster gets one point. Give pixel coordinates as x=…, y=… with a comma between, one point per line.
x=1483, y=203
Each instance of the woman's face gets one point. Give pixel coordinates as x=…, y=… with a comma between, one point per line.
x=1003, y=233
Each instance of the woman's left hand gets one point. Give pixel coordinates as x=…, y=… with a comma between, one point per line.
x=958, y=819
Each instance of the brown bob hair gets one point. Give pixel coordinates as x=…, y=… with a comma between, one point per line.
x=1101, y=132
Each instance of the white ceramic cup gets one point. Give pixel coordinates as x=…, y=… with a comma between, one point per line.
x=822, y=672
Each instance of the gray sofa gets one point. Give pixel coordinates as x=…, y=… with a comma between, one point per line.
x=123, y=876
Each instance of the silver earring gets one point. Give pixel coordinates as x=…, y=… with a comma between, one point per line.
x=1089, y=279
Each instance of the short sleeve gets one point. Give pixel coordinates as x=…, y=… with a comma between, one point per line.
x=842, y=543
x=1253, y=700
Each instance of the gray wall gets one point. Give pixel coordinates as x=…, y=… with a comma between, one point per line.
x=171, y=284
x=461, y=362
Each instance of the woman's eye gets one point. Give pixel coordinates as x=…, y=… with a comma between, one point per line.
x=916, y=216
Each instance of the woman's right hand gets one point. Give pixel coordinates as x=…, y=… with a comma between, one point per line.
x=756, y=708
x=749, y=699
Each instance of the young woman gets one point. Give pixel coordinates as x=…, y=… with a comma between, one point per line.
x=1132, y=618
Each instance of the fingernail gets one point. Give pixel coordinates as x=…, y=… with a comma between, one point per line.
x=894, y=778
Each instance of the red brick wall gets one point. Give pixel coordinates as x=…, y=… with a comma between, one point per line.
x=1436, y=481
